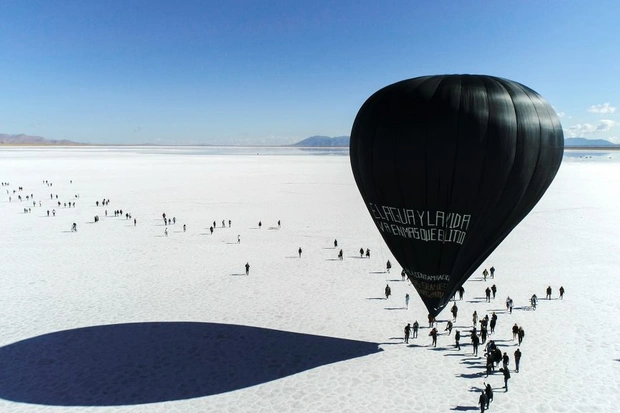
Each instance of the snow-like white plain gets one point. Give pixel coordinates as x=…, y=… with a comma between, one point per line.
x=121, y=318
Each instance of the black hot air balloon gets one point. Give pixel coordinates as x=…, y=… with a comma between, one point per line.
x=448, y=166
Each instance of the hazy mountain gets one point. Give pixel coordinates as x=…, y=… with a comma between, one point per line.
x=343, y=141
x=583, y=142
x=22, y=139
x=324, y=142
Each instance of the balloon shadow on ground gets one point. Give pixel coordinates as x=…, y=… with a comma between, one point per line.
x=128, y=364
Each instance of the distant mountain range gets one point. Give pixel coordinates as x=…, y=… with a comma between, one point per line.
x=22, y=139
x=343, y=141
x=311, y=142
x=324, y=142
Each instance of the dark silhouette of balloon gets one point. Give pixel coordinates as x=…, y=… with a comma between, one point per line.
x=448, y=166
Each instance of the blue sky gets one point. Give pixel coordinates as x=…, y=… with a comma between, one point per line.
x=276, y=72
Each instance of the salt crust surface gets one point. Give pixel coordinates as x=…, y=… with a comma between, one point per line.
x=109, y=273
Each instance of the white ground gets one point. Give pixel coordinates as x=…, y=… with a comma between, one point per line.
x=108, y=273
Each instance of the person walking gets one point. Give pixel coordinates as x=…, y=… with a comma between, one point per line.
x=457, y=339
x=388, y=291
x=299, y=252
x=388, y=266
x=361, y=252
x=561, y=293
x=548, y=296
x=492, y=269
x=494, y=290
x=247, y=268
x=416, y=327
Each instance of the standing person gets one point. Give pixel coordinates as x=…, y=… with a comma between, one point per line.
x=367, y=252
x=299, y=252
x=507, y=303
x=489, y=391
x=506, y=373
x=561, y=293
x=407, y=332
x=485, y=273
x=229, y=223
x=388, y=265
x=510, y=305
x=548, y=296
x=482, y=401
x=461, y=292
x=361, y=252
x=475, y=318
x=260, y=224
x=431, y=320
x=238, y=239
x=483, y=334
x=403, y=275
x=433, y=334
x=135, y=221
x=492, y=269
x=279, y=224
x=247, y=268
x=335, y=243
x=184, y=227
x=520, y=335
x=341, y=255
x=517, y=359
x=166, y=231
x=493, y=322
x=489, y=363
x=515, y=331
x=454, y=311
x=407, y=301
x=505, y=360
x=449, y=326
x=388, y=291
x=494, y=290
x=533, y=301
x=211, y=229
x=457, y=339
x=487, y=293
x=416, y=327
x=475, y=342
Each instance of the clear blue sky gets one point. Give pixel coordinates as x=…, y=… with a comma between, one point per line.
x=276, y=72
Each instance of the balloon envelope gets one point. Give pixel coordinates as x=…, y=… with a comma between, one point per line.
x=448, y=166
